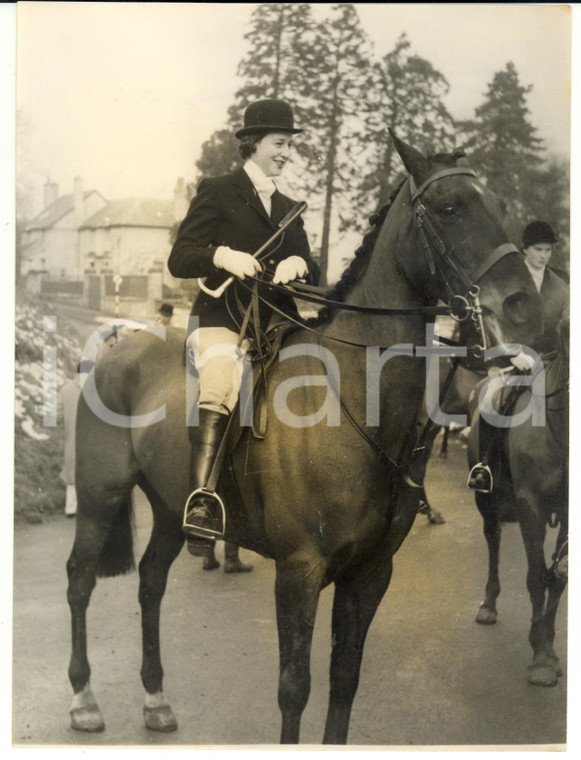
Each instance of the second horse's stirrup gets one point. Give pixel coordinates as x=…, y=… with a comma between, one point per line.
x=480, y=472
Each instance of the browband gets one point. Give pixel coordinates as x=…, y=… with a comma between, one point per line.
x=416, y=192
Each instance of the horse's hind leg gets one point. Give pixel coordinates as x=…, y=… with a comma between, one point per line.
x=298, y=585
x=84, y=563
x=355, y=604
x=487, y=614
x=164, y=546
x=106, y=473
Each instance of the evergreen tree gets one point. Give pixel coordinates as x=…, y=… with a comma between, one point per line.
x=342, y=54
x=503, y=144
x=407, y=94
x=509, y=156
x=219, y=154
x=277, y=64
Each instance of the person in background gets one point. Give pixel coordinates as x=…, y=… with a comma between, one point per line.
x=68, y=399
x=164, y=315
x=232, y=561
x=538, y=240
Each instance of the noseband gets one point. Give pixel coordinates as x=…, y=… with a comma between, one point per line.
x=441, y=261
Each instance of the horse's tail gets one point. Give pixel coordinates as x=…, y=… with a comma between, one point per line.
x=117, y=552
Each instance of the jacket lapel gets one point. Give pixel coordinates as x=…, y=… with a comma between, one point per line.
x=247, y=190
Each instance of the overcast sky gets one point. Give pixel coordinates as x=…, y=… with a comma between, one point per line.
x=124, y=94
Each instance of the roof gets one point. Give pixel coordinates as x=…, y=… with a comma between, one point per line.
x=133, y=212
x=51, y=215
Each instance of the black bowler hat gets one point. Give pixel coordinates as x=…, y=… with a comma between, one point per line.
x=538, y=232
x=166, y=310
x=268, y=116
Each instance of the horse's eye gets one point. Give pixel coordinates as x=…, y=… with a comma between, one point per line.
x=447, y=209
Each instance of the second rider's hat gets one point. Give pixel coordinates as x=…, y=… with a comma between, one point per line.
x=538, y=232
x=268, y=116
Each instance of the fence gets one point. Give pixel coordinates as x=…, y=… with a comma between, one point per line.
x=61, y=287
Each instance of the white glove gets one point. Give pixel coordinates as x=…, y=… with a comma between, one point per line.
x=289, y=269
x=523, y=362
x=236, y=262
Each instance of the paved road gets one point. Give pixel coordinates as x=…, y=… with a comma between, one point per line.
x=430, y=675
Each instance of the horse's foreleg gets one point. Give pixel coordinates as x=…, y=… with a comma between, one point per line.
x=298, y=585
x=545, y=591
x=164, y=546
x=356, y=601
x=487, y=613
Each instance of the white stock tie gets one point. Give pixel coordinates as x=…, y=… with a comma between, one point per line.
x=265, y=190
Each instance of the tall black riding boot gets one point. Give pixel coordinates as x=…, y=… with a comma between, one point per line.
x=480, y=477
x=203, y=512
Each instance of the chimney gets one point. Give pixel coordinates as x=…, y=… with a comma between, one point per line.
x=180, y=201
x=79, y=201
x=51, y=192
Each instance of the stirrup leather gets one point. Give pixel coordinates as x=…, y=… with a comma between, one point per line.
x=213, y=532
x=487, y=469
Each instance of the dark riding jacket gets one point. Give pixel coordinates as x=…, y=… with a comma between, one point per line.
x=228, y=211
x=554, y=297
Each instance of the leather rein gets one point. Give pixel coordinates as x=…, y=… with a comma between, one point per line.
x=439, y=258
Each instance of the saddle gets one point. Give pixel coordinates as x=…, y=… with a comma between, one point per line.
x=263, y=358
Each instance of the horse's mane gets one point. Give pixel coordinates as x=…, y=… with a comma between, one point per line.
x=358, y=263
x=362, y=254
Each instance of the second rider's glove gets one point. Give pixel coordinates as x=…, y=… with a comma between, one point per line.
x=237, y=263
x=290, y=269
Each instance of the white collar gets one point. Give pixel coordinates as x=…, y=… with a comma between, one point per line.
x=258, y=178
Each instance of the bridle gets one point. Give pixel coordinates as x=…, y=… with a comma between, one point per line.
x=440, y=263
x=440, y=260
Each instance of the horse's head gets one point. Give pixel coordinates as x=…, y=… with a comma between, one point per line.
x=461, y=252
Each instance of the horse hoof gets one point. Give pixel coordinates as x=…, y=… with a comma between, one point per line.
x=87, y=719
x=544, y=675
x=435, y=518
x=486, y=615
x=160, y=718
x=442, y=456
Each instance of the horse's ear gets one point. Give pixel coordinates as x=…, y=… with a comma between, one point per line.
x=412, y=159
x=460, y=156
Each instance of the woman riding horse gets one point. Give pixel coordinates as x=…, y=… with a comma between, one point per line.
x=323, y=492
x=230, y=218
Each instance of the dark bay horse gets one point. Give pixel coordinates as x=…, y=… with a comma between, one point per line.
x=532, y=484
x=323, y=492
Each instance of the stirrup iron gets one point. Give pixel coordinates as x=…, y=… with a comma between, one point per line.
x=486, y=468
x=199, y=531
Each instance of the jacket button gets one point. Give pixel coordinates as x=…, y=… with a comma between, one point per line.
x=271, y=261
